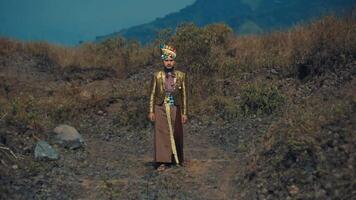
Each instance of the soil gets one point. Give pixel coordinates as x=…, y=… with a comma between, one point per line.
x=116, y=161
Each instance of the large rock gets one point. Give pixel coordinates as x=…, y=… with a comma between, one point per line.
x=68, y=137
x=44, y=151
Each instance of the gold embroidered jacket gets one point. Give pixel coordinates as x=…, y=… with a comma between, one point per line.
x=157, y=94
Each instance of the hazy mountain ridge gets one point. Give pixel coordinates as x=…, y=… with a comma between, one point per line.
x=244, y=16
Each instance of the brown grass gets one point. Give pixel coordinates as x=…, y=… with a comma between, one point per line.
x=222, y=63
x=297, y=76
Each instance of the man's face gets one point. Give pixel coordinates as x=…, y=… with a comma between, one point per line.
x=169, y=63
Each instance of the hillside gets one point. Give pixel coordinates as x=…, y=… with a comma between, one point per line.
x=270, y=117
x=243, y=16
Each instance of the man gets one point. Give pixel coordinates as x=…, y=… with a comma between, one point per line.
x=168, y=109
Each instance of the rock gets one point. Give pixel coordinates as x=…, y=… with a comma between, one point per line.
x=273, y=71
x=44, y=151
x=68, y=137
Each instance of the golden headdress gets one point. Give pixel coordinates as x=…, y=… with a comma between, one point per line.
x=168, y=52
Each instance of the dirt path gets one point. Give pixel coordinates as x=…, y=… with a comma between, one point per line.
x=112, y=173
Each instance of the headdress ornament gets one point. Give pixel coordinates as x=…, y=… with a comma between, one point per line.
x=168, y=52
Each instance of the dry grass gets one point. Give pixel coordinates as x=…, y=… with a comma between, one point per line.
x=229, y=77
x=222, y=63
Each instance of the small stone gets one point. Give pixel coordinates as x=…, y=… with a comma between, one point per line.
x=44, y=151
x=273, y=71
x=14, y=167
x=68, y=137
x=264, y=190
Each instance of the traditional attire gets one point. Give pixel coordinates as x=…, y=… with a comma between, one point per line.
x=168, y=101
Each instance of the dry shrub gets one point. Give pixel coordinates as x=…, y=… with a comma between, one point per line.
x=260, y=99
x=255, y=99
x=307, y=144
x=24, y=112
x=213, y=50
x=194, y=46
x=219, y=107
x=322, y=45
x=123, y=56
x=256, y=53
x=299, y=137
x=9, y=46
x=212, y=56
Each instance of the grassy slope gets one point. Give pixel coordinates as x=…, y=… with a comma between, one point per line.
x=272, y=116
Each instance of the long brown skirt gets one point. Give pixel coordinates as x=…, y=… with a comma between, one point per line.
x=162, y=143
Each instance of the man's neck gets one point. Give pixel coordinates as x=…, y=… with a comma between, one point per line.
x=170, y=70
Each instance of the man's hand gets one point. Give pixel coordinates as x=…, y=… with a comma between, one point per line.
x=151, y=117
x=184, y=119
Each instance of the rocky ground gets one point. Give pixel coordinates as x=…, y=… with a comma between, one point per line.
x=225, y=159
x=118, y=165
x=116, y=161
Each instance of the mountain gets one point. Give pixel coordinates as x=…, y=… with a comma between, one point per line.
x=243, y=16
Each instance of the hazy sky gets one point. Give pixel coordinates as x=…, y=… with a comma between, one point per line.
x=69, y=21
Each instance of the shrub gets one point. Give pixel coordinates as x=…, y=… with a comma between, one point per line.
x=220, y=107
x=325, y=45
x=194, y=45
x=23, y=112
x=258, y=98
x=9, y=47
x=132, y=114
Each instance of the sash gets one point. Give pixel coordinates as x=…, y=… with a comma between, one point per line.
x=169, y=119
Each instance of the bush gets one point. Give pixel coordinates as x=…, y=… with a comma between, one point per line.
x=132, y=114
x=23, y=112
x=194, y=45
x=259, y=98
x=219, y=107
x=324, y=46
x=9, y=47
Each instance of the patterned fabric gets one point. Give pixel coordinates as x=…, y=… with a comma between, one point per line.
x=170, y=99
x=169, y=82
x=170, y=87
x=168, y=52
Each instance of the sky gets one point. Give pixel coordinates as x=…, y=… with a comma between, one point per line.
x=69, y=21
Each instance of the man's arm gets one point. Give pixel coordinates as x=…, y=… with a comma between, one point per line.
x=151, y=115
x=184, y=94
x=184, y=99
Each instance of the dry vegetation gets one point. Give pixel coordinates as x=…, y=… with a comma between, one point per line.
x=305, y=77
